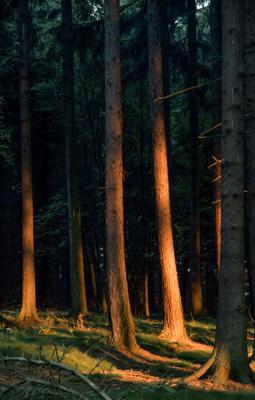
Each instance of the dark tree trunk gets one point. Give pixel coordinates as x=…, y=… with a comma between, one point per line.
x=28, y=309
x=230, y=358
x=143, y=212
x=196, y=287
x=77, y=280
x=122, y=324
x=174, y=327
x=216, y=46
x=250, y=137
x=231, y=340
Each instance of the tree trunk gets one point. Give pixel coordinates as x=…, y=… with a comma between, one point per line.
x=77, y=279
x=230, y=358
x=28, y=310
x=196, y=287
x=143, y=212
x=250, y=137
x=231, y=339
x=216, y=46
x=174, y=326
x=122, y=323
x=165, y=45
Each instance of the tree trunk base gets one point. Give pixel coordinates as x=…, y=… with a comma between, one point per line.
x=220, y=373
x=168, y=334
x=28, y=317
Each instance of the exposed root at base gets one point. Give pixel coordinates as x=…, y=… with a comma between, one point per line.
x=220, y=376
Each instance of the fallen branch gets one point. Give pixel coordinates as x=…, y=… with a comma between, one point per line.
x=56, y=365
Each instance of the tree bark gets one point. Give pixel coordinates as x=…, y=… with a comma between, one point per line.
x=174, y=326
x=28, y=311
x=77, y=279
x=165, y=45
x=230, y=359
x=196, y=286
x=216, y=46
x=250, y=137
x=122, y=323
x=231, y=339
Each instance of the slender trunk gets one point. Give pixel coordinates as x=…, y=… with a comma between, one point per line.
x=250, y=137
x=165, y=44
x=143, y=212
x=122, y=323
x=92, y=263
x=174, y=327
x=77, y=279
x=196, y=288
x=216, y=46
x=231, y=337
x=146, y=293
x=28, y=310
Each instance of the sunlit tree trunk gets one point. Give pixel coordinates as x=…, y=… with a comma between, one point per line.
x=28, y=311
x=196, y=286
x=122, y=324
x=77, y=279
x=250, y=137
x=174, y=327
x=165, y=45
x=231, y=339
x=216, y=46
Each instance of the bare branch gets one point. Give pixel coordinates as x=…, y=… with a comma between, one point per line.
x=56, y=365
x=186, y=90
x=52, y=385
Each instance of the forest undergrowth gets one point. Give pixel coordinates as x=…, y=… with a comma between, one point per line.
x=157, y=371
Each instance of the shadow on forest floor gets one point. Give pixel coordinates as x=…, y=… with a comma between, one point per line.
x=146, y=375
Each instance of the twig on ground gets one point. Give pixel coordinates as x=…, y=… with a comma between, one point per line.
x=43, y=362
x=41, y=382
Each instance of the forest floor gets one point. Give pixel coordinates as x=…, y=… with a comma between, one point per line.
x=156, y=372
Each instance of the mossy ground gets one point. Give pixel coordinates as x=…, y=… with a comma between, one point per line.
x=150, y=374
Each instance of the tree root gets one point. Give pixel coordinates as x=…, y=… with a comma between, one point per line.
x=221, y=376
x=202, y=370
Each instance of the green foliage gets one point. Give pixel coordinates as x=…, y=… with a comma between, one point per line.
x=51, y=227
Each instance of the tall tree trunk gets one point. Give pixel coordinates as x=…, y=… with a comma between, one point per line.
x=216, y=46
x=250, y=137
x=122, y=323
x=28, y=310
x=230, y=358
x=165, y=45
x=196, y=287
x=231, y=340
x=174, y=327
x=77, y=279
x=143, y=211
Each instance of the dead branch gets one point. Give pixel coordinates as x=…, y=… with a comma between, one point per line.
x=54, y=364
x=51, y=385
x=202, y=135
x=186, y=90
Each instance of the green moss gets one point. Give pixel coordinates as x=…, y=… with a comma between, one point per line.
x=89, y=351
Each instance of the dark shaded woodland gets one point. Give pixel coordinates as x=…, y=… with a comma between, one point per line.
x=127, y=182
